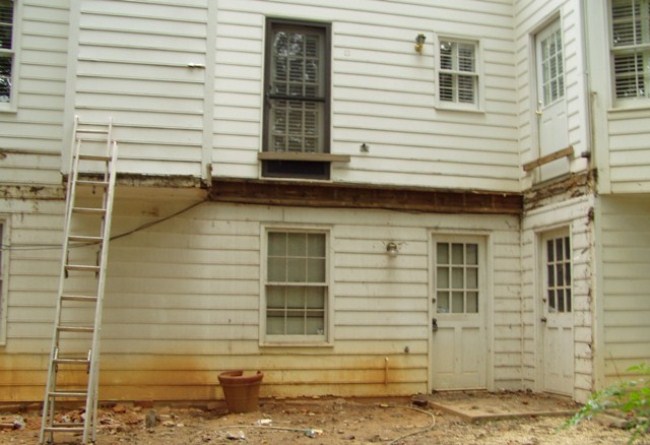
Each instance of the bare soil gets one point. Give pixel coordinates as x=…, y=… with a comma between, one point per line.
x=328, y=421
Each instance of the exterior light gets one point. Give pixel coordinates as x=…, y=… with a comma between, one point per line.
x=419, y=42
x=392, y=249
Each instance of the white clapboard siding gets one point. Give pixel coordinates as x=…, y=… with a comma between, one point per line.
x=32, y=137
x=625, y=300
x=134, y=67
x=183, y=300
x=629, y=155
x=530, y=17
x=573, y=214
x=382, y=91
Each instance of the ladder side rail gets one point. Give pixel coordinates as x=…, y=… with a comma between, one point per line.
x=90, y=422
x=48, y=403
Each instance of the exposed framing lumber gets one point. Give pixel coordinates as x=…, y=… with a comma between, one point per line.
x=311, y=194
x=568, y=152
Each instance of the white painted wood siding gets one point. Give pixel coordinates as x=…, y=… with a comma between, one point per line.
x=530, y=17
x=383, y=92
x=30, y=139
x=134, y=65
x=183, y=300
x=576, y=214
x=629, y=151
x=623, y=299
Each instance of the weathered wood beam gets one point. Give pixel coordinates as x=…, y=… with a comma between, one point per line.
x=568, y=152
x=306, y=194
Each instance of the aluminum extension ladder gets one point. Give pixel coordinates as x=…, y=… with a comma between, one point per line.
x=73, y=373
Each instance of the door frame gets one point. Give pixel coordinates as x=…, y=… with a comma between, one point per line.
x=484, y=238
x=541, y=235
x=533, y=86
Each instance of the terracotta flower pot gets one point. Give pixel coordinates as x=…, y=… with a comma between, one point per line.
x=241, y=392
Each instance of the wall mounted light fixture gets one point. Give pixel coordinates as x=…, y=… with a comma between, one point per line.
x=392, y=249
x=419, y=43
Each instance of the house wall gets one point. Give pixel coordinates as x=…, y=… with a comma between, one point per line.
x=576, y=214
x=623, y=299
x=383, y=92
x=621, y=130
x=530, y=17
x=183, y=300
x=30, y=139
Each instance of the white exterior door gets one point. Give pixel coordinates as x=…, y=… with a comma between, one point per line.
x=553, y=128
x=458, y=346
x=557, y=314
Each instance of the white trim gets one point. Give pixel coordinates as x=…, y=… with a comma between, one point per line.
x=4, y=275
x=16, y=34
x=69, y=110
x=209, y=93
x=297, y=341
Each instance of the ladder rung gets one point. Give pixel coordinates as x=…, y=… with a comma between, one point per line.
x=77, y=393
x=87, y=157
x=81, y=298
x=92, y=130
x=76, y=328
x=85, y=238
x=89, y=210
x=82, y=268
x=72, y=361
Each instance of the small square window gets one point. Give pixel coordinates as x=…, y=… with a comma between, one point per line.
x=458, y=74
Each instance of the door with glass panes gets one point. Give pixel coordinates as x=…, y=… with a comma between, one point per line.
x=458, y=331
x=557, y=313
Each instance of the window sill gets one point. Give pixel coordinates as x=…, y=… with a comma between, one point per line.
x=305, y=157
x=295, y=344
x=460, y=108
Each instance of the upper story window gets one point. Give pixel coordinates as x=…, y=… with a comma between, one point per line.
x=7, y=53
x=297, y=101
x=631, y=48
x=458, y=74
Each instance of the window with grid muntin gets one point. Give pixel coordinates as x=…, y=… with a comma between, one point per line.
x=630, y=21
x=552, y=66
x=297, y=89
x=558, y=274
x=7, y=52
x=457, y=277
x=458, y=75
x=296, y=284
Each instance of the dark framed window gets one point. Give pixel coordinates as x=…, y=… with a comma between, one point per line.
x=297, y=98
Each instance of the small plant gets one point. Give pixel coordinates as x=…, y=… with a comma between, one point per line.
x=631, y=398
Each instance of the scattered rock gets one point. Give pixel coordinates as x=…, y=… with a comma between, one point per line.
x=151, y=419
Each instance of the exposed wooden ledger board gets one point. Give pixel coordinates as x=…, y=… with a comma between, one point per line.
x=357, y=196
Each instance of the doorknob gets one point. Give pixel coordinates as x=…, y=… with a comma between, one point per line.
x=434, y=324
x=544, y=319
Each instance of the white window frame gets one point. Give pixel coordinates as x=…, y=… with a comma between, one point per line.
x=566, y=261
x=642, y=48
x=296, y=340
x=11, y=105
x=4, y=276
x=478, y=74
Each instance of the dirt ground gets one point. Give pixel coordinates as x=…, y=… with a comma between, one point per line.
x=328, y=421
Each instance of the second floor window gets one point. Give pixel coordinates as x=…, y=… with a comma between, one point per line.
x=297, y=88
x=7, y=53
x=458, y=73
x=631, y=48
